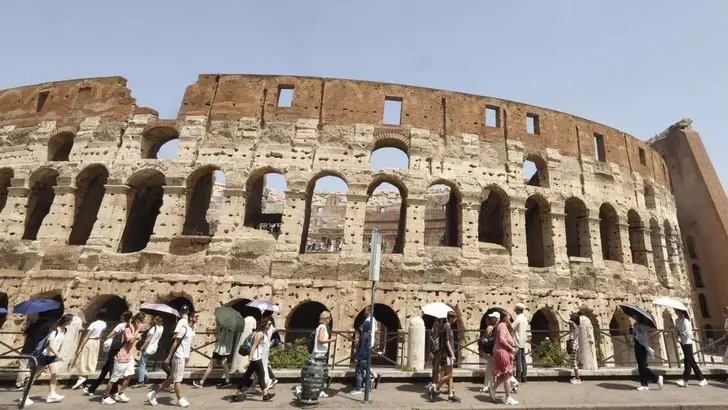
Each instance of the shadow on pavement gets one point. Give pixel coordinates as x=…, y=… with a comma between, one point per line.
x=615, y=386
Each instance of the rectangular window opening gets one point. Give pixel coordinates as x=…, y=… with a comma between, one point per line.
x=392, y=111
x=491, y=116
x=285, y=96
x=599, y=152
x=84, y=94
x=643, y=159
x=532, y=124
x=42, y=97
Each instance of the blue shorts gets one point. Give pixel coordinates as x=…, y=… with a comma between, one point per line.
x=46, y=360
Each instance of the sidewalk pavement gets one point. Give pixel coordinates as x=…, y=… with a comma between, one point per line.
x=542, y=395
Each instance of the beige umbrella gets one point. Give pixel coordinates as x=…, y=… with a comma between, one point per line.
x=671, y=303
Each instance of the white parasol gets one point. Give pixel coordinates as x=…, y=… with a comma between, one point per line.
x=671, y=303
x=154, y=308
x=263, y=305
x=436, y=309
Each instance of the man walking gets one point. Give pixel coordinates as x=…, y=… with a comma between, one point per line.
x=178, y=357
x=34, y=332
x=447, y=361
x=520, y=325
x=362, y=356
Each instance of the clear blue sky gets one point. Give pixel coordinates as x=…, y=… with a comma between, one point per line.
x=638, y=66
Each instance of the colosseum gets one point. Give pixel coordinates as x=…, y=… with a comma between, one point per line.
x=90, y=216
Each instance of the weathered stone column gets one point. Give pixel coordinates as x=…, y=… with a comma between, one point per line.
x=171, y=216
x=660, y=260
x=416, y=343
x=470, y=217
x=624, y=241
x=516, y=241
x=415, y=228
x=294, y=214
x=56, y=226
x=230, y=220
x=354, y=223
x=596, y=239
x=193, y=130
x=13, y=215
x=111, y=219
x=558, y=237
x=587, y=344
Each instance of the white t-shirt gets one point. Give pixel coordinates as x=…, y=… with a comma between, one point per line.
x=373, y=330
x=320, y=349
x=182, y=322
x=685, y=331
x=185, y=345
x=56, y=338
x=95, y=329
x=519, y=330
x=259, y=352
x=155, y=333
x=118, y=328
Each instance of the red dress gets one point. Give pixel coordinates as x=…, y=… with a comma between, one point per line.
x=502, y=357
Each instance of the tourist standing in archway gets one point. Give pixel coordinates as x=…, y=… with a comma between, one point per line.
x=520, y=325
x=685, y=333
x=572, y=347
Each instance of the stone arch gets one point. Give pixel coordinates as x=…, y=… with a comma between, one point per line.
x=42, y=183
x=637, y=238
x=395, y=152
x=60, y=145
x=539, y=245
x=697, y=276
x=303, y=319
x=383, y=211
x=492, y=221
x=540, y=175
x=619, y=331
x=200, y=186
x=259, y=214
x=443, y=219
x=240, y=306
x=703, y=303
x=154, y=136
x=90, y=190
x=609, y=233
x=544, y=325
x=578, y=237
x=113, y=306
x=144, y=202
x=392, y=139
x=484, y=318
x=689, y=240
x=6, y=175
x=385, y=335
x=327, y=230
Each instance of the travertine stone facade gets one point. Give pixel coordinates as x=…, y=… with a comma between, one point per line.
x=233, y=123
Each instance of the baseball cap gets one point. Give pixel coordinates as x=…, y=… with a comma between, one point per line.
x=495, y=315
x=520, y=306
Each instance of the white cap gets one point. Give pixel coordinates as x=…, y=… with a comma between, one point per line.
x=520, y=306
x=495, y=315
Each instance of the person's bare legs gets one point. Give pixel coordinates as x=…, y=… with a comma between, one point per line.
x=124, y=385
x=507, y=385
x=53, y=369
x=178, y=390
x=164, y=385
x=208, y=371
x=226, y=369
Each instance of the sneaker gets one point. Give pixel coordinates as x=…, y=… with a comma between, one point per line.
x=198, y=384
x=152, y=398
x=682, y=383
x=431, y=394
x=356, y=391
x=643, y=388
x=453, y=399
x=510, y=401
x=183, y=402
x=703, y=383
x=87, y=392
x=660, y=381
x=376, y=380
x=54, y=398
x=575, y=381
x=323, y=394
x=269, y=396
x=491, y=392
x=19, y=388
x=139, y=385
x=123, y=398
x=484, y=389
x=225, y=384
x=79, y=382
x=428, y=386
x=108, y=400
x=27, y=402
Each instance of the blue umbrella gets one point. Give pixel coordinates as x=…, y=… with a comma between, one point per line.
x=36, y=306
x=3, y=311
x=638, y=314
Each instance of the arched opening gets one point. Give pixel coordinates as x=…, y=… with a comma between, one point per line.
x=442, y=215
x=649, y=196
x=112, y=305
x=609, y=232
x=672, y=244
x=709, y=334
x=637, y=238
x=204, y=197
x=170, y=323
x=535, y=171
x=59, y=146
x=697, y=277
x=246, y=311
x=619, y=330
x=484, y=319
x=539, y=246
x=6, y=174
x=264, y=201
x=658, y=254
x=90, y=190
x=304, y=319
x=387, y=210
x=386, y=334
x=160, y=143
x=42, y=193
x=492, y=216
x=544, y=334
x=703, y=306
x=670, y=342
x=323, y=228
x=145, y=200
x=692, y=252
x=578, y=238
x=389, y=153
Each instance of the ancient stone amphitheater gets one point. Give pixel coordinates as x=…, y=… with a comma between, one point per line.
x=89, y=215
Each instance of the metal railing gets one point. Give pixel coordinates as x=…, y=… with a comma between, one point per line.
x=14, y=367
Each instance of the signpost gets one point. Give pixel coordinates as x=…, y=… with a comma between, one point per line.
x=374, y=263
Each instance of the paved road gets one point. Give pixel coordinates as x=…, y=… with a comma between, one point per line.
x=612, y=394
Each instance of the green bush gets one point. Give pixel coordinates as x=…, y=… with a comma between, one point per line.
x=293, y=355
x=550, y=354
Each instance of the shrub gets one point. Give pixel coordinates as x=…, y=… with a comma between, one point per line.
x=291, y=355
x=550, y=354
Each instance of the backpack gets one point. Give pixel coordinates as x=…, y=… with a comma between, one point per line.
x=247, y=345
x=435, y=344
x=311, y=342
x=489, y=343
x=117, y=342
x=38, y=351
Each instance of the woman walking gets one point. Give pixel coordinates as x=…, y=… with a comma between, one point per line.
x=642, y=352
x=123, y=363
x=50, y=358
x=258, y=358
x=685, y=333
x=223, y=350
x=149, y=349
x=503, y=352
x=491, y=322
x=435, y=347
x=572, y=346
x=87, y=354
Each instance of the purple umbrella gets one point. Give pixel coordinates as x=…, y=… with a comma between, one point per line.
x=155, y=308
